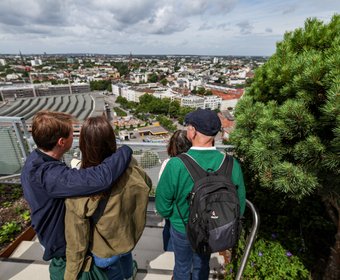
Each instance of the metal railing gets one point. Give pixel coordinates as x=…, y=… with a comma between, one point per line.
x=14, y=144
x=152, y=213
x=19, y=126
x=250, y=240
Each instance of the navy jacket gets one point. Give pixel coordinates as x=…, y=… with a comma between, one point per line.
x=47, y=182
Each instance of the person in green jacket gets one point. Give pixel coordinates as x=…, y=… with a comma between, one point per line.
x=175, y=184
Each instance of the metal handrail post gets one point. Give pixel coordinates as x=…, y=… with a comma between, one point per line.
x=250, y=239
x=26, y=134
x=21, y=133
x=16, y=127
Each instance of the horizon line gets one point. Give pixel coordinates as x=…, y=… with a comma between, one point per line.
x=130, y=54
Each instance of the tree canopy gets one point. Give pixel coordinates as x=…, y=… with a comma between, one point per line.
x=288, y=123
x=122, y=67
x=149, y=104
x=101, y=85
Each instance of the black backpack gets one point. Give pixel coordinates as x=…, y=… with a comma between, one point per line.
x=214, y=208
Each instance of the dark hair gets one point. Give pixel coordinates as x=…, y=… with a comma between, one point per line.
x=48, y=127
x=178, y=143
x=97, y=141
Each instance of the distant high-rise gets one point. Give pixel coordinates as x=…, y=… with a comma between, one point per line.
x=21, y=58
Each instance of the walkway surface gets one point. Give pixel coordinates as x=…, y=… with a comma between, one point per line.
x=26, y=262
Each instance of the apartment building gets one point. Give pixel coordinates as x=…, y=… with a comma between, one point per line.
x=212, y=102
x=139, y=77
x=132, y=94
x=117, y=89
x=192, y=101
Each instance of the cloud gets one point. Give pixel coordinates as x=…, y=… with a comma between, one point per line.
x=126, y=12
x=184, y=43
x=223, y=26
x=18, y=13
x=164, y=21
x=205, y=26
x=143, y=16
x=146, y=26
x=245, y=27
x=289, y=10
x=220, y=26
x=205, y=7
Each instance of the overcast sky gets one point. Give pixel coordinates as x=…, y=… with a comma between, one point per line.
x=199, y=27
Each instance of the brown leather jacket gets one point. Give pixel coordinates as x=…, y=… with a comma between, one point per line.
x=119, y=227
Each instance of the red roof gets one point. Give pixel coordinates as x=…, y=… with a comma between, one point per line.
x=231, y=94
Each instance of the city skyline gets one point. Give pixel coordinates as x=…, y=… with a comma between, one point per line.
x=191, y=27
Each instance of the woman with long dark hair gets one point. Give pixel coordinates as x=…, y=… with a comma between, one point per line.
x=178, y=144
x=105, y=227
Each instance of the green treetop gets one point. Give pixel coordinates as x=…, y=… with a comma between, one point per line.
x=288, y=122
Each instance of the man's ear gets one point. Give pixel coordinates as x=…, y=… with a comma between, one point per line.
x=61, y=142
x=194, y=132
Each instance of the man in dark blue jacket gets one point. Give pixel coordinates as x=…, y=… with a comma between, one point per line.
x=47, y=181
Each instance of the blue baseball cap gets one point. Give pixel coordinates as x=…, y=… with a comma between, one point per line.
x=205, y=121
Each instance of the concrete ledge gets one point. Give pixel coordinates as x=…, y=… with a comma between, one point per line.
x=28, y=234
x=29, y=250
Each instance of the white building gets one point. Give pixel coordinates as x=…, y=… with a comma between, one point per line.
x=207, y=102
x=212, y=102
x=237, y=82
x=242, y=74
x=139, y=77
x=165, y=94
x=195, y=84
x=2, y=62
x=192, y=101
x=219, y=87
x=117, y=89
x=131, y=94
x=12, y=77
x=36, y=62
x=182, y=82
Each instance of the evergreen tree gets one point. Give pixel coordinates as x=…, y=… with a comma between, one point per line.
x=288, y=122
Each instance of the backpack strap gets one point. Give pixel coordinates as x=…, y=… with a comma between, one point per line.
x=180, y=214
x=197, y=172
x=226, y=167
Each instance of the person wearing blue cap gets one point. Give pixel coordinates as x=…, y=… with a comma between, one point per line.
x=176, y=183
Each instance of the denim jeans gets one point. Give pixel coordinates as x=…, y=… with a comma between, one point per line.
x=188, y=265
x=116, y=267
x=167, y=243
